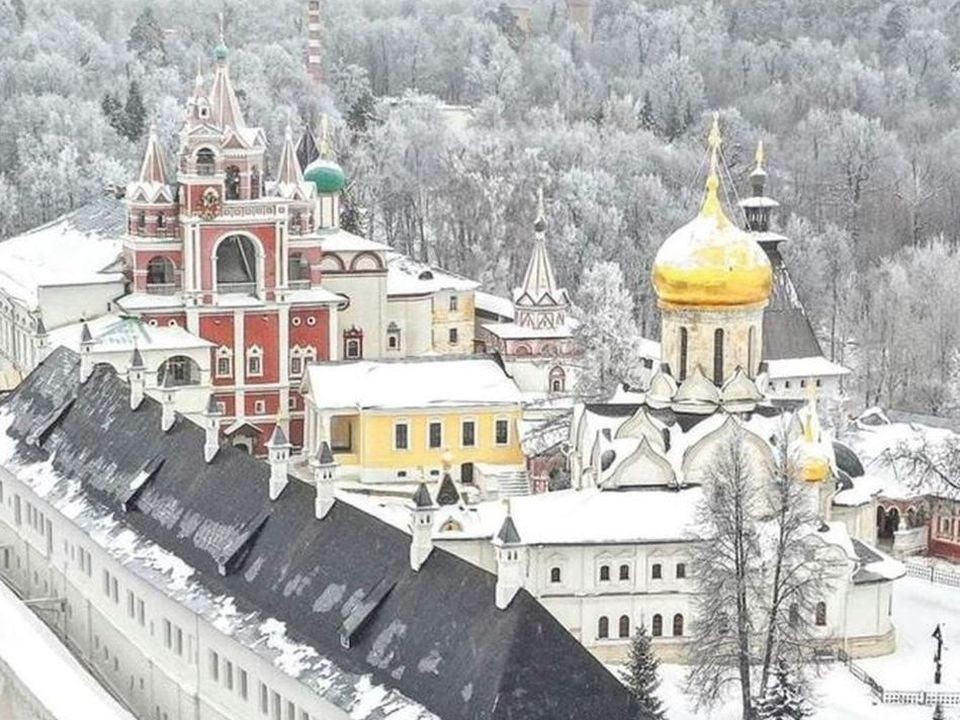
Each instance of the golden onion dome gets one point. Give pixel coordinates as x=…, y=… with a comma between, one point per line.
x=812, y=459
x=710, y=261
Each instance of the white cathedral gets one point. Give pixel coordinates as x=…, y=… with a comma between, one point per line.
x=613, y=552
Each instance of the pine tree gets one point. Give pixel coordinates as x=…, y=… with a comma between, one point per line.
x=146, y=37
x=642, y=676
x=135, y=112
x=938, y=712
x=784, y=699
x=112, y=110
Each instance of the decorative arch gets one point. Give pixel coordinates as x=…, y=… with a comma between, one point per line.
x=182, y=370
x=161, y=274
x=678, y=625
x=644, y=467
x=237, y=260
x=558, y=379
x=205, y=159
x=656, y=625
x=331, y=262
x=365, y=261
x=701, y=452
x=603, y=627
x=623, y=626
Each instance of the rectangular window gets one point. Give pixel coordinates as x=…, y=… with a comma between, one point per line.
x=224, y=366
x=167, y=634
x=141, y=613
x=296, y=366
x=259, y=407
x=228, y=674
x=352, y=349
x=436, y=434
x=468, y=433
x=341, y=434
x=277, y=706
x=131, y=604
x=214, y=666
x=502, y=432
x=264, y=699
x=401, y=439
x=106, y=583
x=1, y=492
x=17, y=510
x=291, y=711
x=254, y=365
x=243, y=683
x=178, y=642
x=454, y=303
x=453, y=336
x=115, y=590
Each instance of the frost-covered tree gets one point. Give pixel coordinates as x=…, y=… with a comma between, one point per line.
x=606, y=331
x=134, y=112
x=146, y=37
x=784, y=698
x=641, y=675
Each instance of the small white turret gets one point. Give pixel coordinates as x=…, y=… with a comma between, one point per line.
x=137, y=377
x=41, y=346
x=86, y=352
x=421, y=527
x=211, y=424
x=324, y=471
x=168, y=401
x=511, y=561
x=278, y=455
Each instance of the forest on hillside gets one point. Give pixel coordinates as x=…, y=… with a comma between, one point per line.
x=857, y=103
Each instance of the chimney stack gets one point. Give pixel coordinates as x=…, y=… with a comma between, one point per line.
x=421, y=529
x=324, y=470
x=86, y=352
x=511, y=558
x=211, y=424
x=137, y=377
x=278, y=455
x=168, y=399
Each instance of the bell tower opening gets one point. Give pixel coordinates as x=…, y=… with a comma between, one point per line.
x=237, y=261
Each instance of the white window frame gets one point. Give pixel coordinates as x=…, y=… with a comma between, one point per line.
x=255, y=352
x=464, y=421
x=224, y=353
x=352, y=342
x=259, y=407
x=430, y=423
x=406, y=424
x=496, y=420
x=454, y=303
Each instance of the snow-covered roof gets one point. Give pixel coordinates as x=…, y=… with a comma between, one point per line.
x=75, y=249
x=112, y=333
x=649, y=348
x=817, y=366
x=493, y=304
x=581, y=517
x=406, y=276
x=313, y=295
x=340, y=240
x=410, y=383
x=41, y=662
x=148, y=301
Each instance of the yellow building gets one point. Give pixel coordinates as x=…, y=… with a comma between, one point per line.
x=388, y=421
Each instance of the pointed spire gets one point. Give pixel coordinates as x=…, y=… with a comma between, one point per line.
x=225, y=108
x=324, y=147
x=153, y=170
x=289, y=173
x=759, y=158
x=421, y=498
x=136, y=360
x=307, y=148
x=540, y=282
x=85, y=336
x=508, y=534
x=712, y=207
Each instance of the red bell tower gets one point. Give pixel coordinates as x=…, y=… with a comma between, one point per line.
x=234, y=260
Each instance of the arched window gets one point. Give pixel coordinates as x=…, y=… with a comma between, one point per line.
x=604, y=573
x=603, y=627
x=255, y=360
x=205, y=161
x=624, y=572
x=161, y=223
x=224, y=361
x=255, y=180
x=558, y=379
x=681, y=571
x=677, y=625
x=237, y=265
x=298, y=270
x=794, y=615
x=683, y=353
x=393, y=336
x=657, y=571
x=160, y=275
x=555, y=575
x=141, y=222
x=181, y=369
x=624, y=627
x=718, y=356
x=656, y=626
x=821, y=613
x=231, y=183
x=751, y=339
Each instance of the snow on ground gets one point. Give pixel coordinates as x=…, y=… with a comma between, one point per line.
x=48, y=671
x=918, y=606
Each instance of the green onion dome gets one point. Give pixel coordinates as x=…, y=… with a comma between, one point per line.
x=220, y=51
x=326, y=175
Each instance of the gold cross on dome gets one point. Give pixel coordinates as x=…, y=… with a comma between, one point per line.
x=715, y=138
